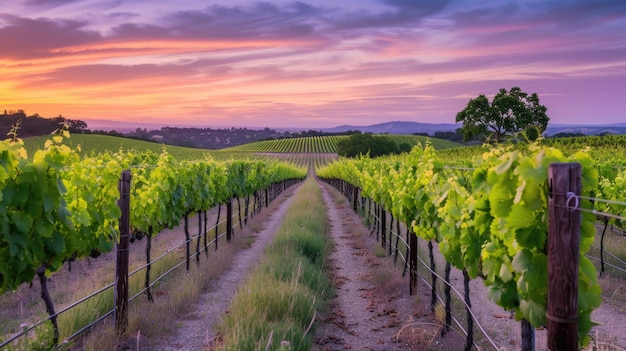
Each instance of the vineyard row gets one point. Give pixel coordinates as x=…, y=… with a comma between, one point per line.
x=490, y=221
x=316, y=144
x=57, y=207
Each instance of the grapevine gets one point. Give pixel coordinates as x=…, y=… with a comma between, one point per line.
x=494, y=227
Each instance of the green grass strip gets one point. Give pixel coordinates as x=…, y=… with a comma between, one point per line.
x=278, y=302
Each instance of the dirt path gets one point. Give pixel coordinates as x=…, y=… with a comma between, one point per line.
x=373, y=309
x=197, y=330
x=351, y=322
x=374, y=312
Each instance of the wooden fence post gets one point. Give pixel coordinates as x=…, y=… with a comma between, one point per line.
x=564, y=180
x=121, y=267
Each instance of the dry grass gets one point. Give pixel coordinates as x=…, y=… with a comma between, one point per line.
x=614, y=291
x=380, y=251
x=175, y=296
x=277, y=303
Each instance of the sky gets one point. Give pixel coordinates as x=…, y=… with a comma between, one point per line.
x=309, y=63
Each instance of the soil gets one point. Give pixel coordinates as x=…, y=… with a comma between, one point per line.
x=373, y=309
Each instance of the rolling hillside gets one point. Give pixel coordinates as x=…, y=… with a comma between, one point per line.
x=101, y=143
x=328, y=144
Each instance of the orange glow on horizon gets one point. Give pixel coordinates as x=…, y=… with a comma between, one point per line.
x=253, y=62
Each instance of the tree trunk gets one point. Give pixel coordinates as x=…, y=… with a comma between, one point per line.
x=433, y=276
x=148, y=263
x=470, y=320
x=447, y=289
x=45, y=295
x=187, y=239
x=198, y=240
x=528, y=336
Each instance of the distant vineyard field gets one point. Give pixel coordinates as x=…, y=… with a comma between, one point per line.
x=317, y=144
x=328, y=144
x=301, y=159
x=95, y=143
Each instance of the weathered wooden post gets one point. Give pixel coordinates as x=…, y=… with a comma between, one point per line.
x=564, y=180
x=121, y=267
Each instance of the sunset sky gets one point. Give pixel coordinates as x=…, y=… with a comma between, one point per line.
x=308, y=63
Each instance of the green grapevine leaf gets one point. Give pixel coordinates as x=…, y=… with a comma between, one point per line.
x=23, y=221
x=533, y=312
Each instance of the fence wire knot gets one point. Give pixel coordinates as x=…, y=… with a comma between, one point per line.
x=571, y=196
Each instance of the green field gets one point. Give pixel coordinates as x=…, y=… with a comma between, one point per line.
x=95, y=143
x=328, y=144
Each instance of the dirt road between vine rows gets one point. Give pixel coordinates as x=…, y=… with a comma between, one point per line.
x=372, y=309
x=197, y=331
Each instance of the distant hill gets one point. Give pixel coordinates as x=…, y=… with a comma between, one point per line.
x=398, y=127
x=402, y=127
x=587, y=129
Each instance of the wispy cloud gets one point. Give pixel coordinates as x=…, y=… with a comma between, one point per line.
x=308, y=63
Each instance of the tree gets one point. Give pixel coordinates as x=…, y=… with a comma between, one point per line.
x=76, y=125
x=456, y=136
x=361, y=144
x=509, y=113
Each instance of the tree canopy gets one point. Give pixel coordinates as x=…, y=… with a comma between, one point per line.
x=511, y=112
x=36, y=125
x=362, y=144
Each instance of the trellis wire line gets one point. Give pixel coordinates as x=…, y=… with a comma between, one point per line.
x=599, y=199
x=612, y=256
x=87, y=327
x=92, y=324
x=101, y=318
x=595, y=199
x=595, y=212
x=593, y=258
x=482, y=329
x=397, y=247
x=193, y=255
x=459, y=295
x=169, y=250
x=493, y=343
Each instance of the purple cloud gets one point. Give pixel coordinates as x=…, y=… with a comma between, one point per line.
x=33, y=38
x=377, y=59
